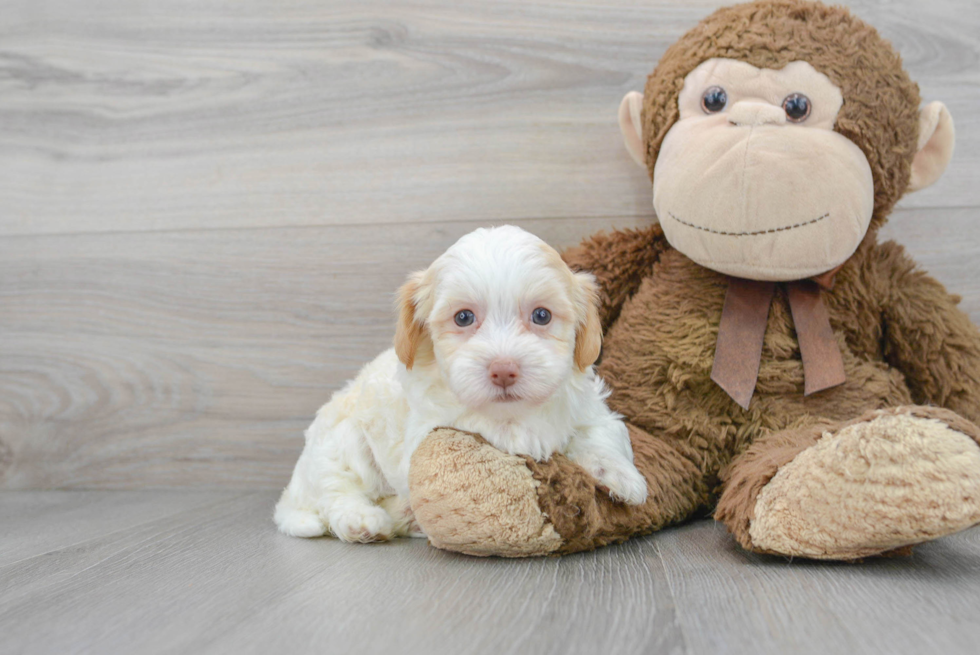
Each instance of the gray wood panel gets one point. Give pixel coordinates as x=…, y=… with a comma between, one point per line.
x=193, y=358
x=204, y=211
x=947, y=245
x=197, y=358
x=149, y=115
x=735, y=602
x=221, y=579
x=218, y=578
x=205, y=208
x=39, y=522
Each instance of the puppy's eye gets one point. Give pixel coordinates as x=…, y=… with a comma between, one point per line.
x=714, y=100
x=797, y=107
x=541, y=316
x=464, y=318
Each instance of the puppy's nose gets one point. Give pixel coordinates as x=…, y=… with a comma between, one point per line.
x=504, y=372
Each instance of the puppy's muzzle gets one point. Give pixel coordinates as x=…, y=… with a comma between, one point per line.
x=504, y=372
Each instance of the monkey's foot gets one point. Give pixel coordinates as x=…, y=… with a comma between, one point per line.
x=885, y=482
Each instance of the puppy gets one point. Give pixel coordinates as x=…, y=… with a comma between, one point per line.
x=496, y=337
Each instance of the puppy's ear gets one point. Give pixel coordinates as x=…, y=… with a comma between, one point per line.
x=588, y=334
x=410, y=332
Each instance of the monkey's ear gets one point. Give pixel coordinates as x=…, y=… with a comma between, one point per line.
x=935, y=148
x=631, y=127
x=410, y=331
x=588, y=333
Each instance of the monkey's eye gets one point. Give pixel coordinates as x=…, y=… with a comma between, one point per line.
x=541, y=316
x=714, y=100
x=797, y=107
x=464, y=318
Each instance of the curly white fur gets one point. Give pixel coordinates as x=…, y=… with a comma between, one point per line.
x=352, y=477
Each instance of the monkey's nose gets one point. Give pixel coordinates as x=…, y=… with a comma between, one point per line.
x=504, y=372
x=748, y=113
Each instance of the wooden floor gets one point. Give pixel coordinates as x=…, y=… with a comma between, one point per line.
x=205, y=208
x=191, y=572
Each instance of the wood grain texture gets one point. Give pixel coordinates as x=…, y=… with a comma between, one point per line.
x=735, y=602
x=218, y=578
x=193, y=358
x=197, y=358
x=38, y=522
x=947, y=245
x=205, y=207
x=141, y=115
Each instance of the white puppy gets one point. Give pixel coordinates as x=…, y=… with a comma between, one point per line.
x=497, y=337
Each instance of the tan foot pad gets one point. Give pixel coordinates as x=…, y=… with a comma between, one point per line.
x=894, y=480
x=471, y=498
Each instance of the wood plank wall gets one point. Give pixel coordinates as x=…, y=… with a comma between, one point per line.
x=206, y=206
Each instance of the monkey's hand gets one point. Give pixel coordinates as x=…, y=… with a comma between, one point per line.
x=469, y=497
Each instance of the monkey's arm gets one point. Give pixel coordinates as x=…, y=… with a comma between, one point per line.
x=469, y=497
x=927, y=337
x=619, y=261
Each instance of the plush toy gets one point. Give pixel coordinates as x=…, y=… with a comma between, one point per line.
x=774, y=361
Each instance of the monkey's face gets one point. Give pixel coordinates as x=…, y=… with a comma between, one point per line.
x=752, y=180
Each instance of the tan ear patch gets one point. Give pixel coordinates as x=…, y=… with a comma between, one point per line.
x=585, y=298
x=410, y=332
x=588, y=334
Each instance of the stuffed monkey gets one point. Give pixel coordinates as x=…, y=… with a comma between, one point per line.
x=775, y=362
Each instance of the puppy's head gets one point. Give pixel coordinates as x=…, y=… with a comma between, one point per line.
x=502, y=317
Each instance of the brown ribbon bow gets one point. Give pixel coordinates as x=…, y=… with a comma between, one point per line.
x=738, y=351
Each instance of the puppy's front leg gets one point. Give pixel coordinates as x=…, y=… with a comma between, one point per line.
x=603, y=449
x=417, y=428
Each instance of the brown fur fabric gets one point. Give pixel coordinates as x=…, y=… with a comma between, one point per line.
x=658, y=356
x=929, y=339
x=756, y=467
x=906, y=347
x=880, y=113
x=763, y=459
x=586, y=519
x=619, y=263
x=894, y=324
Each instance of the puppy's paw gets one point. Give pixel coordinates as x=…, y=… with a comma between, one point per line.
x=361, y=524
x=623, y=480
x=403, y=520
x=298, y=522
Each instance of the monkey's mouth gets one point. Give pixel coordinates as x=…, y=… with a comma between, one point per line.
x=754, y=233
